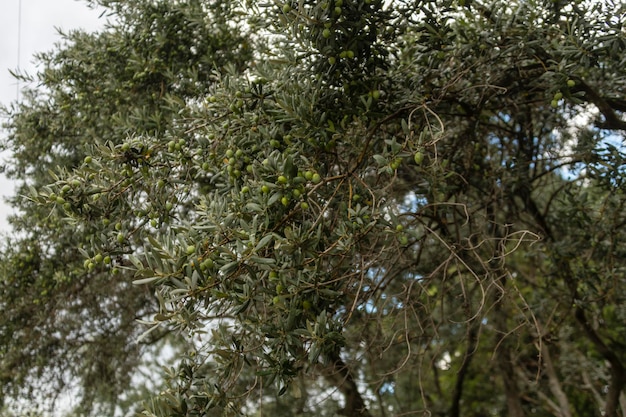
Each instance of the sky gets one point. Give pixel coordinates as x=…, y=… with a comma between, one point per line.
x=37, y=33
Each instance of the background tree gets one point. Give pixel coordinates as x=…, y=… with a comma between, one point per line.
x=66, y=324
x=385, y=209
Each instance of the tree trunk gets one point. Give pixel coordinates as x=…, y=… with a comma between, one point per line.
x=472, y=342
x=511, y=390
x=504, y=359
x=338, y=374
x=554, y=383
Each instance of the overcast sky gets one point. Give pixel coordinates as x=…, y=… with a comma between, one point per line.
x=39, y=18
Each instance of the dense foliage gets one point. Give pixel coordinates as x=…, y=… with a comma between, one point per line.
x=323, y=207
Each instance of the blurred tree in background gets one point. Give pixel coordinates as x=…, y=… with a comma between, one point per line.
x=324, y=207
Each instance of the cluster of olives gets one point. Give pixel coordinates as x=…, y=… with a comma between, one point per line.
x=558, y=96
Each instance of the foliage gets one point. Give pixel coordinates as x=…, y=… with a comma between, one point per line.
x=64, y=321
x=382, y=209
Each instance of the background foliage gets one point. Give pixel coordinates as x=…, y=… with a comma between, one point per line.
x=323, y=207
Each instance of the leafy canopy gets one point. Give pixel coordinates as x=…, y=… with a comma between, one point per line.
x=335, y=206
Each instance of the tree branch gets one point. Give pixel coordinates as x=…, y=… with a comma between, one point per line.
x=606, y=107
x=554, y=383
x=618, y=373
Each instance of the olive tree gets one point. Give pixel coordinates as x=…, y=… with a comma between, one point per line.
x=370, y=209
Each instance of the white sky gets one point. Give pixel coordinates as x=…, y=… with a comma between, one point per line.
x=39, y=18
